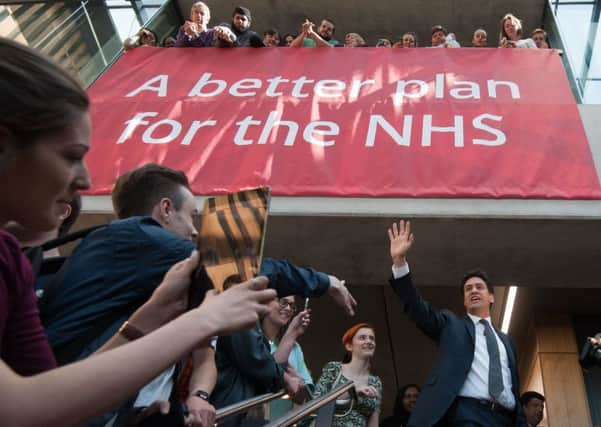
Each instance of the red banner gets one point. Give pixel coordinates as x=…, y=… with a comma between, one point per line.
x=495, y=123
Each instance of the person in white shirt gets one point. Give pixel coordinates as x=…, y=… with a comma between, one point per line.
x=480, y=38
x=511, y=34
x=539, y=37
x=474, y=381
x=440, y=37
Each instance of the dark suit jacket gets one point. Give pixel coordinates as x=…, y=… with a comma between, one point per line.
x=455, y=339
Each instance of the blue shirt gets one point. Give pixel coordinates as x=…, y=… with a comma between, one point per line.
x=116, y=268
x=296, y=360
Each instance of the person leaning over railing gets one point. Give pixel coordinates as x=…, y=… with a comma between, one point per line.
x=271, y=38
x=282, y=328
x=168, y=41
x=539, y=37
x=354, y=40
x=511, y=32
x=408, y=39
x=287, y=40
x=480, y=38
x=44, y=136
x=440, y=37
x=239, y=26
x=144, y=37
x=383, y=42
x=194, y=33
x=359, y=343
x=323, y=37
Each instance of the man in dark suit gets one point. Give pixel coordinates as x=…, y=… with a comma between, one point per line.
x=474, y=381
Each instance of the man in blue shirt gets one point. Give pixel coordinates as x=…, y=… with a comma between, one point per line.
x=116, y=268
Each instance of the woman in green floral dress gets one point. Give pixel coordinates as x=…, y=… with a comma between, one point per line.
x=360, y=344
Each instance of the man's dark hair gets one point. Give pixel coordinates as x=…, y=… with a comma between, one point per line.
x=477, y=273
x=331, y=22
x=244, y=11
x=137, y=192
x=271, y=32
x=529, y=395
x=70, y=220
x=437, y=28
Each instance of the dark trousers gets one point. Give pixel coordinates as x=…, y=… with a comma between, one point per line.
x=467, y=412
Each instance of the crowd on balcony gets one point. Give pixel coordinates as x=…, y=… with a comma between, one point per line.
x=196, y=33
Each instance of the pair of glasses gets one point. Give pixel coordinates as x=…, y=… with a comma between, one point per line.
x=285, y=303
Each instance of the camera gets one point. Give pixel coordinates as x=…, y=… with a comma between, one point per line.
x=590, y=356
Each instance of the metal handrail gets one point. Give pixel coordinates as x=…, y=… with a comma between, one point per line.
x=60, y=27
x=147, y=24
x=245, y=405
x=311, y=406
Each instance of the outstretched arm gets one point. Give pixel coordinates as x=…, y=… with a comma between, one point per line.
x=426, y=317
x=319, y=42
x=289, y=279
x=298, y=41
x=63, y=396
x=297, y=327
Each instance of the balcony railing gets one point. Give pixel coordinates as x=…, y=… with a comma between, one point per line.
x=322, y=408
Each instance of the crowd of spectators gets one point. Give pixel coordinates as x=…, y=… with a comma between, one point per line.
x=196, y=33
x=119, y=318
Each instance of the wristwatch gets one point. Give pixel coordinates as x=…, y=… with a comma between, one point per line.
x=130, y=332
x=202, y=394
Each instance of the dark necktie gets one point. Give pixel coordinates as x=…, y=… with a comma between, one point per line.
x=495, y=376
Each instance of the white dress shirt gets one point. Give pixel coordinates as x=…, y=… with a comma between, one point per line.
x=476, y=383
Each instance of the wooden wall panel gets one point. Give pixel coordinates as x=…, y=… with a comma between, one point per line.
x=555, y=333
x=564, y=391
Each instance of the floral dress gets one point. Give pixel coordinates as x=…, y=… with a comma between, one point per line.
x=361, y=410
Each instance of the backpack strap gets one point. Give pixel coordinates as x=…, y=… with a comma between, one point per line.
x=79, y=234
x=47, y=292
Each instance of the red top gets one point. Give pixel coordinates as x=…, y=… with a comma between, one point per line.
x=23, y=344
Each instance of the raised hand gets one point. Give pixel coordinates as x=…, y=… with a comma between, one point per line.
x=401, y=240
x=299, y=323
x=191, y=29
x=341, y=295
x=307, y=27
x=225, y=34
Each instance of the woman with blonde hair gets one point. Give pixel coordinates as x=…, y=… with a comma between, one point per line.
x=353, y=40
x=359, y=343
x=511, y=33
